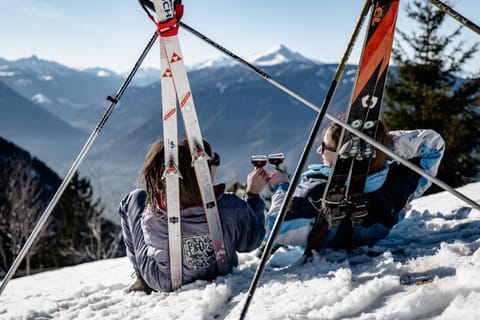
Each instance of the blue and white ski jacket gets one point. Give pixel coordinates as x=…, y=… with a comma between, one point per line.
x=389, y=191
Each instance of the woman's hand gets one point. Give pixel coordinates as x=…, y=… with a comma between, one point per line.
x=277, y=177
x=256, y=181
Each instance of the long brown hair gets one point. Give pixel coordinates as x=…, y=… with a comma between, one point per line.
x=377, y=163
x=154, y=168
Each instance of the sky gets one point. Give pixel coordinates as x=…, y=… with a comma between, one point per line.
x=427, y=268
x=112, y=34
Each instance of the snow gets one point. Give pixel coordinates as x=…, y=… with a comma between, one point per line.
x=276, y=55
x=220, y=62
x=40, y=98
x=7, y=73
x=427, y=268
x=46, y=78
x=103, y=73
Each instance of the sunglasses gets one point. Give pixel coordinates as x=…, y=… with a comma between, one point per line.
x=325, y=147
x=215, y=161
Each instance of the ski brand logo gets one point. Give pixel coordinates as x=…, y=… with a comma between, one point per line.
x=210, y=205
x=185, y=99
x=167, y=73
x=175, y=58
x=377, y=15
x=368, y=102
x=369, y=124
x=173, y=220
x=167, y=8
x=169, y=114
x=356, y=123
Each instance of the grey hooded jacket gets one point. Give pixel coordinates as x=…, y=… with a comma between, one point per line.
x=146, y=237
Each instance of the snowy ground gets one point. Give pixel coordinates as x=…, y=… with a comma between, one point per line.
x=428, y=268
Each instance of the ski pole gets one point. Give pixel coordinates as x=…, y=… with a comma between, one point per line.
x=455, y=15
x=313, y=106
x=43, y=219
x=303, y=158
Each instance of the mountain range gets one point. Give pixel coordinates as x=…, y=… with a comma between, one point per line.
x=50, y=110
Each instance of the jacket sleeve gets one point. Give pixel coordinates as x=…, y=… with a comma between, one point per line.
x=250, y=224
x=258, y=209
x=426, y=145
x=157, y=269
x=292, y=232
x=275, y=206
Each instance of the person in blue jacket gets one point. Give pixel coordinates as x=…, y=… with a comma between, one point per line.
x=390, y=187
x=144, y=222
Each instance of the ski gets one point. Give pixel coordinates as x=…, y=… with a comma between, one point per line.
x=173, y=60
x=344, y=204
x=171, y=174
x=369, y=97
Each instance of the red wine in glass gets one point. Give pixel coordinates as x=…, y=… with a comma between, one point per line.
x=259, y=161
x=276, y=159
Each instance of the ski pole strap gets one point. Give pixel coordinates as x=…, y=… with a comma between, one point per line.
x=168, y=27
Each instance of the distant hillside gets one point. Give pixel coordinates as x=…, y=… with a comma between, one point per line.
x=37, y=130
x=28, y=185
x=49, y=180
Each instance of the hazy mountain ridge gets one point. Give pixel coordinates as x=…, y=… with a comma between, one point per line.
x=58, y=88
x=41, y=132
x=239, y=112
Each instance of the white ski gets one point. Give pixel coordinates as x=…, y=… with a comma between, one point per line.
x=171, y=174
x=165, y=11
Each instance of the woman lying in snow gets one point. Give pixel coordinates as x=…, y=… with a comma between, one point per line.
x=389, y=188
x=145, y=227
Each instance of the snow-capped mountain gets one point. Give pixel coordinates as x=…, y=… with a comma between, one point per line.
x=239, y=112
x=57, y=88
x=102, y=73
x=277, y=55
x=40, y=66
x=219, y=62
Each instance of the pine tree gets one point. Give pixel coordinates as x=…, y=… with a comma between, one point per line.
x=86, y=235
x=76, y=230
x=425, y=91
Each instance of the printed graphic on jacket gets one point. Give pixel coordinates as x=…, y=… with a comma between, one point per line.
x=198, y=251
